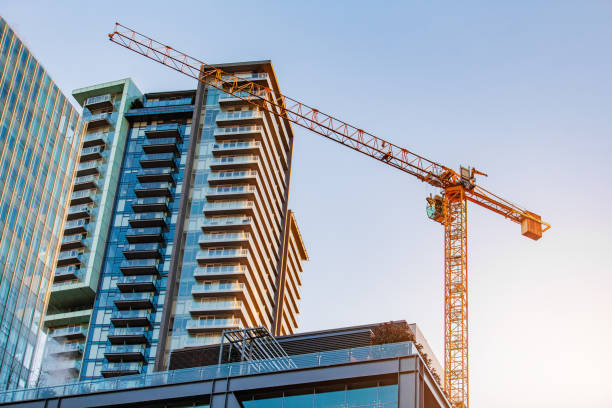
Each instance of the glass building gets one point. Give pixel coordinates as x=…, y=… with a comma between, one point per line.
x=178, y=228
x=40, y=136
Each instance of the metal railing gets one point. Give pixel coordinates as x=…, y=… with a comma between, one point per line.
x=327, y=358
x=98, y=99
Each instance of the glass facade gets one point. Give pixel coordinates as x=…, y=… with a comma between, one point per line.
x=124, y=329
x=40, y=135
x=86, y=228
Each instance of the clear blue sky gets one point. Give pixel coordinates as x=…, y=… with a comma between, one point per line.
x=522, y=90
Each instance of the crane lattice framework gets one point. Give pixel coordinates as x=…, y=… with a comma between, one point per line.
x=449, y=208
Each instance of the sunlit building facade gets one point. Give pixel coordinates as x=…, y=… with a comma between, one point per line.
x=40, y=137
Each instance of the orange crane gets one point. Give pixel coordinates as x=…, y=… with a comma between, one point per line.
x=449, y=208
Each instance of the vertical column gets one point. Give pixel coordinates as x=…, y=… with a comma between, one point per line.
x=455, y=298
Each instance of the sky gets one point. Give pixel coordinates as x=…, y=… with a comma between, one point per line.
x=521, y=90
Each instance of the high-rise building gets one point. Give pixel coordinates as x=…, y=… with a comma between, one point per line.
x=179, y=228
x=87, y=225
x=40, y=136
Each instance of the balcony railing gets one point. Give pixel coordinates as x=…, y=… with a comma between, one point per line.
x=150, y=204
x=125, y=353
x=98, y=102
x=135, y=300
x=136, y=283
x=239, y=115
x=95, y=139
x=66, y=349
x=100, y=119
x=69, y=333
x=219, y=271
x=86, y=168
x=151, y=234
x=163, y=131
x=69, y=258
x=139, y=266
x=66, y=273
x=229, y=162
x=71, y=366
x=82, y=197
x=225, y=131
x=229, y=254
x=215, y=306
x=224, y=177
x=229, y=237
x=255, y=76
x=201, y=325
x=128, y=335
x=168, y=102
x=119, y=369
x=85, y=182
x=148, y=219
x=224, y=371
x=156, y=174
x=237, y=145
x=91, y=153
x=229, y=207
x=216, y=289
x=158, y=160
x=80, y=211
x=76, y=227
x=153, y=189
x=122, y=318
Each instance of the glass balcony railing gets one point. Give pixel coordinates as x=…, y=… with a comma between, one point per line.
x=128, y=331
x=238, y=129
x=108, y=368
x=302, y=361
x=148, y=216
x=151, y=201
x=145, y=231
x=125, y=349
x=234, y=160
x=66, y=348
x=236, y=145
x=91, y=150
x=157, y=171
x=222, y=253
x=228, y=205
x=72, y=238
x=246, y=77
x=228, y=236
x=216, y=287
x=68, y=255
x=136, y=279
x=68, y=331
x=85, y=179
x=100, y=117
x=87, y=166
x=231, y=190
x=159, y=156
x=248, y=114
x=95, y=138
x=167, y=102
x=98, y=99
x=64, y=365
x=139, y=263
x=225, y=175
x=69, y=225
x=161, y=141
x=82, y=194
x=213, y=324
x=135, y=296
x=154, y=185
x=220, y=221
x=215, y=305
x=78, y=209
x=131, y=314
x=153, y=246
x=215, y=270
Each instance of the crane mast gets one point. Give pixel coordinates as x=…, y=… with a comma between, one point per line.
x=449, y=208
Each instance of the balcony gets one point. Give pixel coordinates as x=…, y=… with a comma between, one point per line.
x=161, y=145
x=156, y=174
x=237, y=99
x=99, y=102
x=147, y=204
x=220, y=272
x=154, y=189
x=241, y=118
x=137, y=235
x=260, y=78
x=91, y=153
x=227, y=223
x=125, y=353
x=128, y=335
x=239, y=132
x=85, y=183
x=158, y=160
x=66, y=350
x=66, y=273
x=233, y=239
x=72, y=242
x=78, y=212
x=64, y=367
x=229, y=207
x=99, y=120
x=204, y=290
x=139, y=267
x=219, y=307
x=137, y=283
x=131, y=318
x=142, y=251
x=236, y=147
x=120, y=369
x=231, y=192
x=163, y=131
x=232, y=177
x=82, y=197
x=214, y=325
x=87, y=168
x=234, y=162
x=146, y=220
x=136, y=300
x=222, y=255
x=76, y=227
x=69, y=333
x=69, y=258
x=95, y=139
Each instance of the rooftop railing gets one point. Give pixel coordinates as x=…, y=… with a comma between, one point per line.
x=327, y=358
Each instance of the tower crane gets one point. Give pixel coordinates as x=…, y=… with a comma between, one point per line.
x=449, y=207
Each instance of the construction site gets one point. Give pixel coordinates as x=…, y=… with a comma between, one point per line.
x=225, y=244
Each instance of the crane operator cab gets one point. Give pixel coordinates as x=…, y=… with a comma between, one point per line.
x=437, y=208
